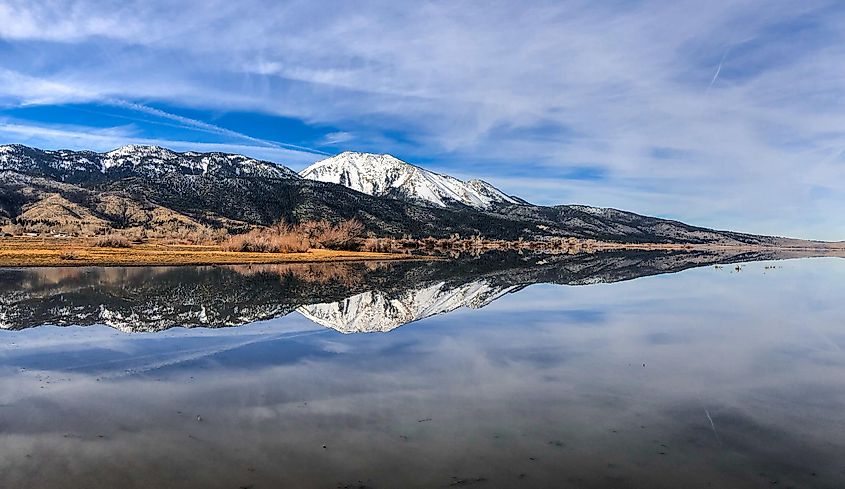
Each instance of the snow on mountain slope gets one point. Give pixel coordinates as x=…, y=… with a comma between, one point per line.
x=387, y=176
x=165, y=160
x=150, y=161
x=376, y=311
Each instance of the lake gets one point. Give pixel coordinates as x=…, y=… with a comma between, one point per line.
x=661, y=369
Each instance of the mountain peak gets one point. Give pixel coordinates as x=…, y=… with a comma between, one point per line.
x=8, y=148
x=384, y=175
x=139, y=149
x=373, y=161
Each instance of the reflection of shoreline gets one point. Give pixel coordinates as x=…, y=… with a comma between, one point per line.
x=346, y=273
x=348, y=297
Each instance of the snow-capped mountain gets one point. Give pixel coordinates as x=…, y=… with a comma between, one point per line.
x=383, y=175
x=378, y=312
x=235, y=192
x=149, y=161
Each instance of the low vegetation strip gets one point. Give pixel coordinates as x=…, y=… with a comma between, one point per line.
x=309, y=241
x=42, y=252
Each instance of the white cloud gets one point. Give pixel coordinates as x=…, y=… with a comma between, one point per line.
x=21, y=89
x=542, y=85
x=82, y=137
x=338, y=137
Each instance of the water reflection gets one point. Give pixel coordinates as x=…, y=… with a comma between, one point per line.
x=707, y=378
x=348, y=297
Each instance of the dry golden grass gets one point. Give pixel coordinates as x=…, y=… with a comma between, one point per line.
x=69, y=252
x=42, y=252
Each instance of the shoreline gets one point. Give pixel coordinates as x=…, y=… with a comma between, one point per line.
x=28, y=252
x=835, y=248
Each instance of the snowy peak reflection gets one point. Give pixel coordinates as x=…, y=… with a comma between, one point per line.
x=378, y=311
x=348, y=297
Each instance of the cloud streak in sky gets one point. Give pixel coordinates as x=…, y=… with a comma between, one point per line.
x=718, y=70
x=204, y=126
x=521, y=92
x=68, y=136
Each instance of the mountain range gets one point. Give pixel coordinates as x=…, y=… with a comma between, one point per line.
x=155, y=188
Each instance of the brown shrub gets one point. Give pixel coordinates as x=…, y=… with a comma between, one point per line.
x=341, y=236
x=112, y=241
x=384, y=245
x=277, y=239
x=284, y=238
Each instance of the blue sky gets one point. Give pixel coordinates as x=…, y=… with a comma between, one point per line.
x=723, y=114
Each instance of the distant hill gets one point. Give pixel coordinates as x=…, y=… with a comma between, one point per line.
x=157, y=189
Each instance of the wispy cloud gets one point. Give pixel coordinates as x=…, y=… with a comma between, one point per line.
x=204, y=126
x=718, y=70
x=21, y=89
x=337, y=138
x=83, y=137
x=541, y=87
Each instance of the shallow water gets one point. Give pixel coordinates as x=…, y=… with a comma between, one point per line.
x=513, y=372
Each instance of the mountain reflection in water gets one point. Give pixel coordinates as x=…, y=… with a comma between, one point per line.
x=710, y=378
x=347, y=297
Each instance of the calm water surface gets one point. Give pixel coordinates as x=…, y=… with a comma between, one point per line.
x=527, y=372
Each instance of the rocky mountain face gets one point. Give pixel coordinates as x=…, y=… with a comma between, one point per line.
x=386, y=176
x=348, y=297
x=132, y=160
x=155, y=188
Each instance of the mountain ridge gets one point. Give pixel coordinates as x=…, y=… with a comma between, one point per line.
x=151, y=189
x=134, y=159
